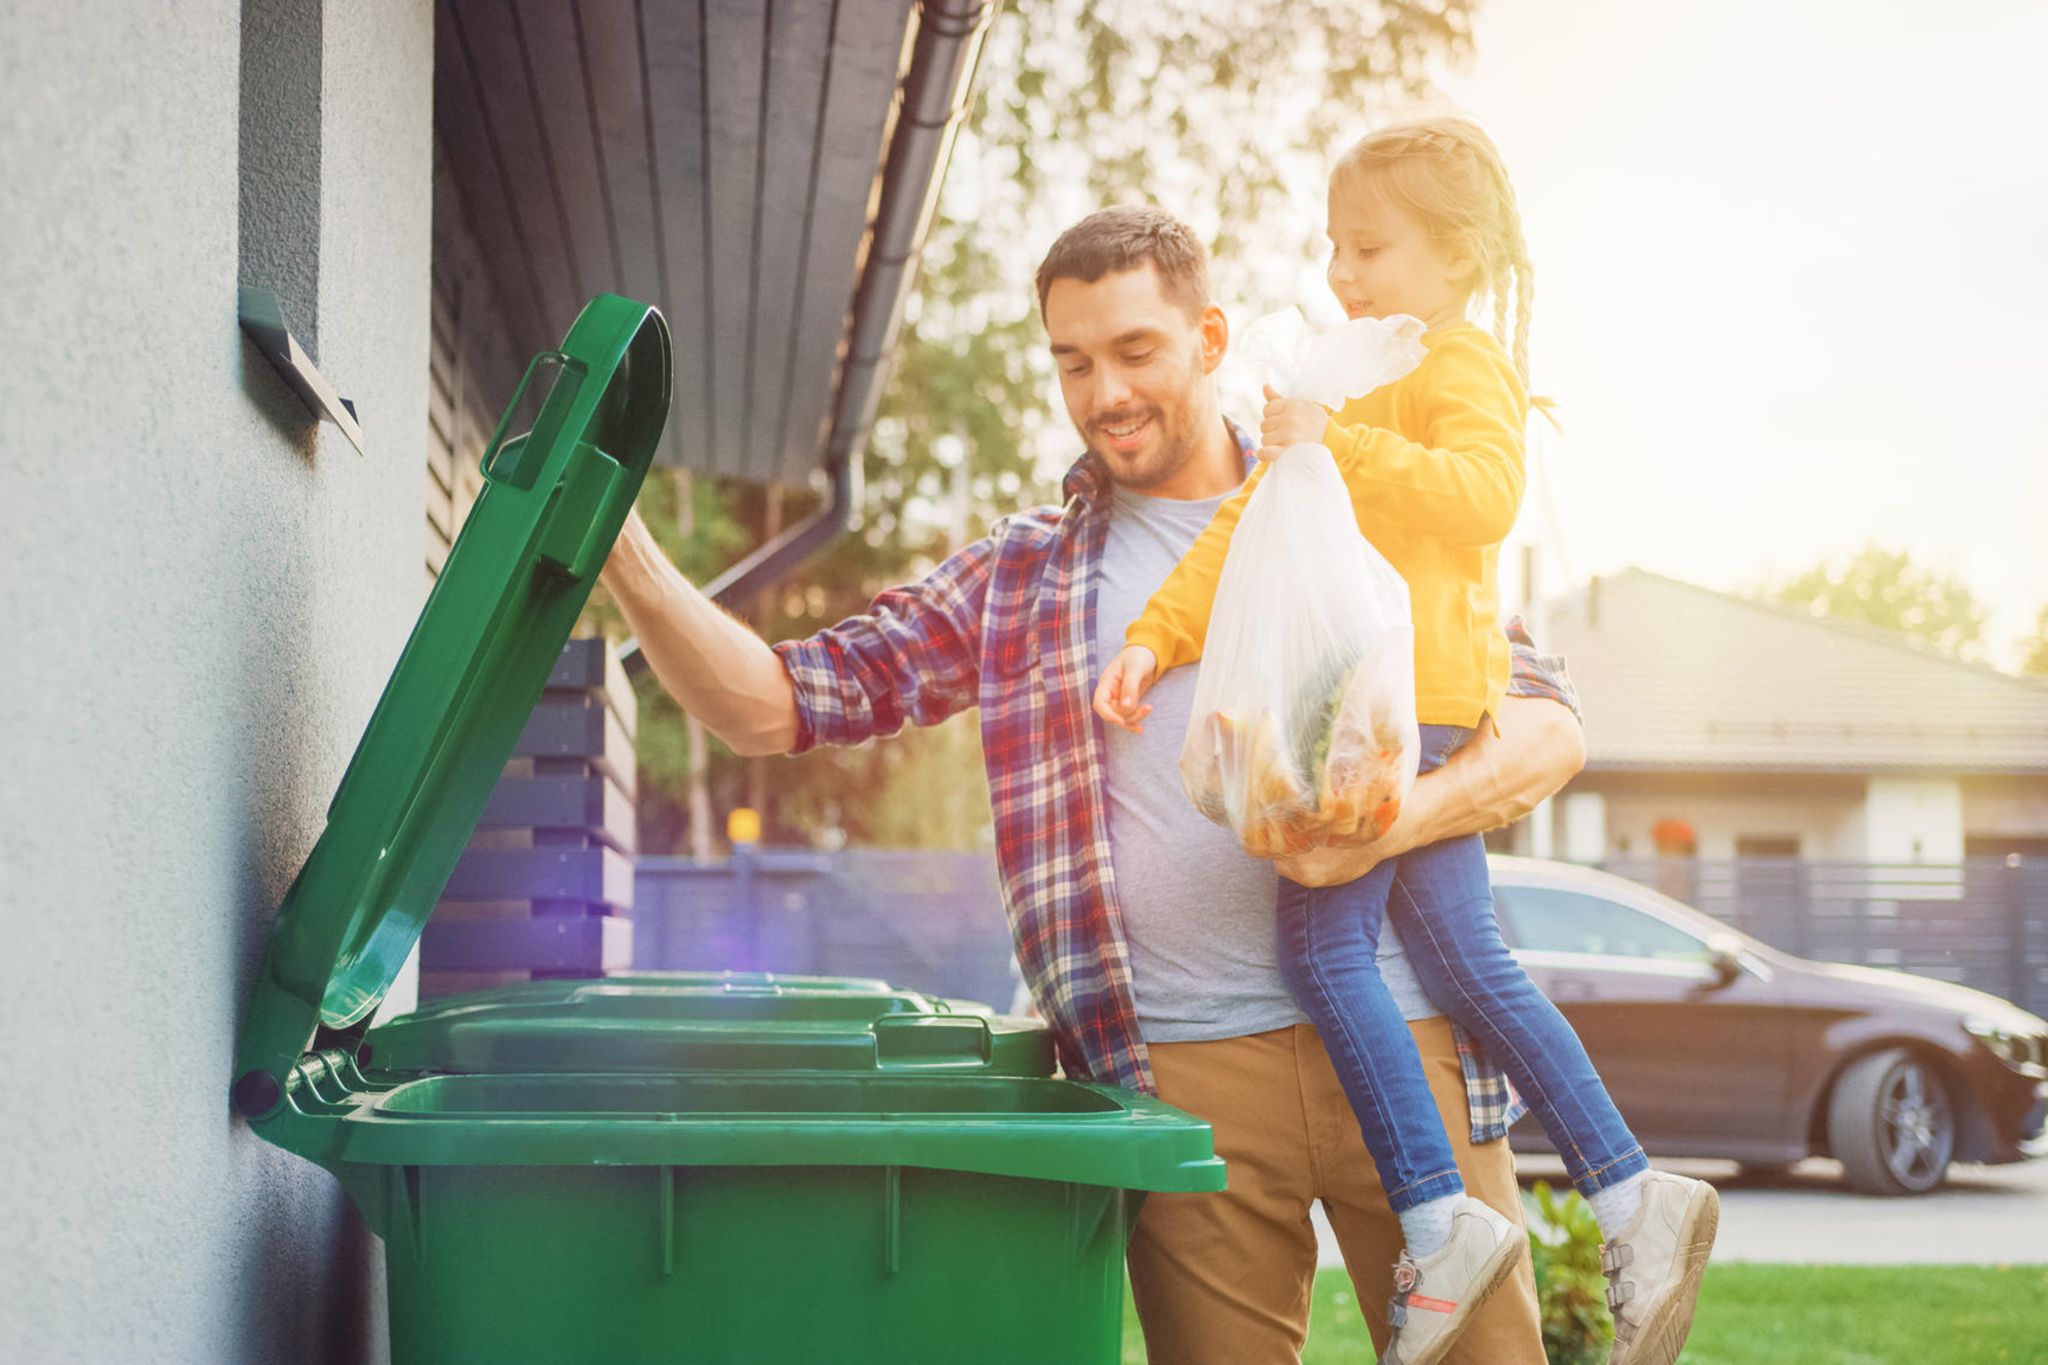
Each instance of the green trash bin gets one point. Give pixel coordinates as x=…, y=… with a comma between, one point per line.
x=808, y=1198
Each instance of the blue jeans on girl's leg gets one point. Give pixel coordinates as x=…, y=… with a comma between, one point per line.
x=1442, y=903
x=1328, y=940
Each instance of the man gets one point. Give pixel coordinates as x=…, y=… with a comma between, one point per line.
x=1145, y=933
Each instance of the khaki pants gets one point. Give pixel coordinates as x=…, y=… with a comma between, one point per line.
x=1224, y=1279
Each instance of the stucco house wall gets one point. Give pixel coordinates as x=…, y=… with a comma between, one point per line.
x=202, y=596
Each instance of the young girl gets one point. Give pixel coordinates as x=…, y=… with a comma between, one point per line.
x=1421, y=221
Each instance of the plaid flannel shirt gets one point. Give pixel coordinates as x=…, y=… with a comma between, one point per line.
x=1007, y=624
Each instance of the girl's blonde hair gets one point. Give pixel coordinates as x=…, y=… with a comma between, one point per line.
x=1447, y=172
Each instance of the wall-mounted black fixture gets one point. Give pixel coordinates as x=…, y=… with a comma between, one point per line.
x=263, y=319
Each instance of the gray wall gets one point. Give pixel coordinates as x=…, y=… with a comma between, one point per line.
x=197, y=610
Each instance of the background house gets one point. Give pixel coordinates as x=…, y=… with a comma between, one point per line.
x=206, y=586
x=1834, y=790
x=1771, y=734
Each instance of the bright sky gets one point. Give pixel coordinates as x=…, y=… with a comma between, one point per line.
x=1792, y=265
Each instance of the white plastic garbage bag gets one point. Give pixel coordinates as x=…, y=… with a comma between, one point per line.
x=1303, y=729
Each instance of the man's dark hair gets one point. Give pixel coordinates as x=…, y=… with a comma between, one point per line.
x=1120, y=239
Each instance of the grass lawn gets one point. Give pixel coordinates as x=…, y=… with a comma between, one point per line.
x=1792, y=1315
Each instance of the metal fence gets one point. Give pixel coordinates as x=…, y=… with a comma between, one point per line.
x=1981, y=923
x=921, y=920
x=934, y=921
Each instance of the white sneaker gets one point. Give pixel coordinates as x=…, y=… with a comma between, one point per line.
x=1435, y=1298
x=1653, y=1269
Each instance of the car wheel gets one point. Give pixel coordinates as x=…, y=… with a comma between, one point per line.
x=1891, y=1124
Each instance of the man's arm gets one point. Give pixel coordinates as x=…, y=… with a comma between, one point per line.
x=712, y=663
x=913, y=658
x=1494, y=780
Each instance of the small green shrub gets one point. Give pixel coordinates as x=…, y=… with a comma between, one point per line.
x=1564, y=1244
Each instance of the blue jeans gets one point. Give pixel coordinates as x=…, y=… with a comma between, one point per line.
x=1440, y=899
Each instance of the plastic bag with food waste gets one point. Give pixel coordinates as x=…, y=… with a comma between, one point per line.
x=1302, y=732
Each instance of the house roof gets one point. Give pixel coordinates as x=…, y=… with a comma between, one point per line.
x=721, y=160
x=1674, y=676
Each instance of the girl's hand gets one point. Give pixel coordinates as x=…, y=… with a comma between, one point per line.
x=1125, y=682
x=1290, y=422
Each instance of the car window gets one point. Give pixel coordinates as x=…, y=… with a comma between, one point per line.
x=1544, y=919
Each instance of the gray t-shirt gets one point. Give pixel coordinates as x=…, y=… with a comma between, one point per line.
x=1197, y=909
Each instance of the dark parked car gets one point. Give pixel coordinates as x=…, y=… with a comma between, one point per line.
x=1715, y=1045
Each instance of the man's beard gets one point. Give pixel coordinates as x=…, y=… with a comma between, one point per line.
x=1173, y=443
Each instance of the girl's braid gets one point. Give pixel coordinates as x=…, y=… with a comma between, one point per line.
x=1515, y=251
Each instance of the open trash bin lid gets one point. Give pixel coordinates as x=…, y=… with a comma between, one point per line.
x=518, y=575
x=569, y=1171
x=686, y=1021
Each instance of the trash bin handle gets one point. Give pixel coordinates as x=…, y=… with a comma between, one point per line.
x=933, y=1042
x=503, y=460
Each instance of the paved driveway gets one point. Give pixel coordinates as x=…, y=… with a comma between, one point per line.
x=1984, y=1215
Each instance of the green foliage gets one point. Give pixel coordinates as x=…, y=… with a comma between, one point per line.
x=1883, y=587
x=2034, y=649
x=1564, y=1245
